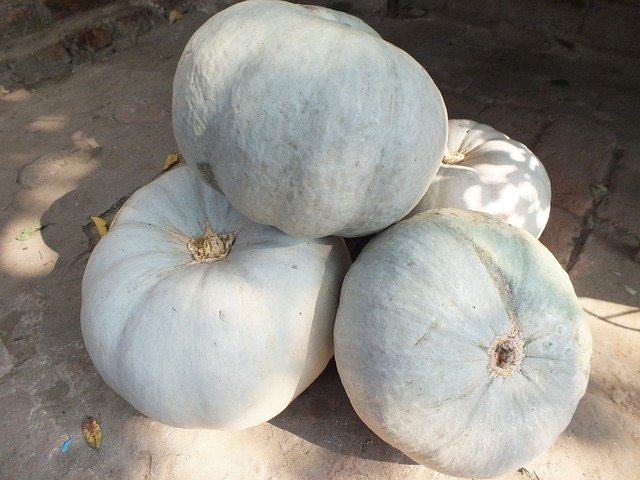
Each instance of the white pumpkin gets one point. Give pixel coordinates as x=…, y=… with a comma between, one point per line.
x=201, y=318
x=460, y=341
x=486, y=171
x=306, y=119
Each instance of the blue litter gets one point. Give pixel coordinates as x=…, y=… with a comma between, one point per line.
x=65, y=446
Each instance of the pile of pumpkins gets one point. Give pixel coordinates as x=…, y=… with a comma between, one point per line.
x=224, y=287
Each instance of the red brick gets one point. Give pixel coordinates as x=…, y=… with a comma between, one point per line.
x=58, y=53
x=64, y=8
x=18, y=17
x=98, y=38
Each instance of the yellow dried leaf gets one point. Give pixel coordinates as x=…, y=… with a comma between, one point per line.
x=174, y=16
x=170, y=161
x=92, y=432
x=101, y=225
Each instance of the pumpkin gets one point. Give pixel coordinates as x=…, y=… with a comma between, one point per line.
x=201, y=318
x=306, y=119
x=460, y=341
x=486, y=171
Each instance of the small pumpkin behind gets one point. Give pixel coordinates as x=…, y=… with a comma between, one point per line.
x=201, y=318
x=460, y=341
x=486, y=171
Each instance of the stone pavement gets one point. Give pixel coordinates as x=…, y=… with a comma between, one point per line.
x=75, y=148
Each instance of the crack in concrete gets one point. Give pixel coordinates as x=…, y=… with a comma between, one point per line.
x=544, y=128
x=590, y=218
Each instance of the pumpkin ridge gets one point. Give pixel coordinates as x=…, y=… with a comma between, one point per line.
x=506, y=352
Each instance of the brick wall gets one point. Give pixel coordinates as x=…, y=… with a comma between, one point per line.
x=602, y=24
x=19, y=17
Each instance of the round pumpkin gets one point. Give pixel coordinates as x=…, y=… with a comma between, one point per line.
x=486, y=171
x=201, y=318
x=460, y=341
x=306, y=119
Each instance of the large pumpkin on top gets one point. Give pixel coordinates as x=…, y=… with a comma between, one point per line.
x=306, y=119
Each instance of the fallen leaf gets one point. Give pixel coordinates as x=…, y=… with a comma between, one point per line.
x=101, y=225
x=174, y=16
x=599, y=191
x=65, y=446
x=630, y=290
x=92, y=432
x=170, y=161
x=28, y=232
x=589, y=222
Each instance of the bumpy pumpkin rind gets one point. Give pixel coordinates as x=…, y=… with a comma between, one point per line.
x=307, y=119
x=460, y=341
x=201, y=318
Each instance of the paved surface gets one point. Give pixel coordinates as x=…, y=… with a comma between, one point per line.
x=73, y=149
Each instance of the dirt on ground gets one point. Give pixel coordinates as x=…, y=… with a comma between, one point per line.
x=76, y=148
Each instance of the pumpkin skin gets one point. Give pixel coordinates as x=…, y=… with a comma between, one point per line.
x=223, y=344
x=306, y=119
x=460, y=341
x=486, y=171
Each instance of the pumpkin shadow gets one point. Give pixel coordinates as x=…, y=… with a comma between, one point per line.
x=60, y=331
x=323, y=415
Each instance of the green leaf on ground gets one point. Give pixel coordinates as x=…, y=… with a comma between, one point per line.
x=589, y=222
x=28, y=232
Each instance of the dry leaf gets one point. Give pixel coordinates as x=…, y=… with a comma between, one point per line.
x=92, y=432
x=589, y=222
x=28, y=232
x=174, y=16
x=101, y=225
x=170, y=161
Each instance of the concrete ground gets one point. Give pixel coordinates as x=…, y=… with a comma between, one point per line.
x=72, y=149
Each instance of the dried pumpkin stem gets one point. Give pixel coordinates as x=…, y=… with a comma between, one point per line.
x=506, y=354
x=451, y=158
x=210, y=247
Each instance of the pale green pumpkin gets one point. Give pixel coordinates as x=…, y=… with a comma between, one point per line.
x=201, y=318
x=460, y=341
x=306, y=119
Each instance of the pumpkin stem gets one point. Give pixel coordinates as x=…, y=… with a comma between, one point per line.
x=451, y=158
x=210, y=246
x=506, y=354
